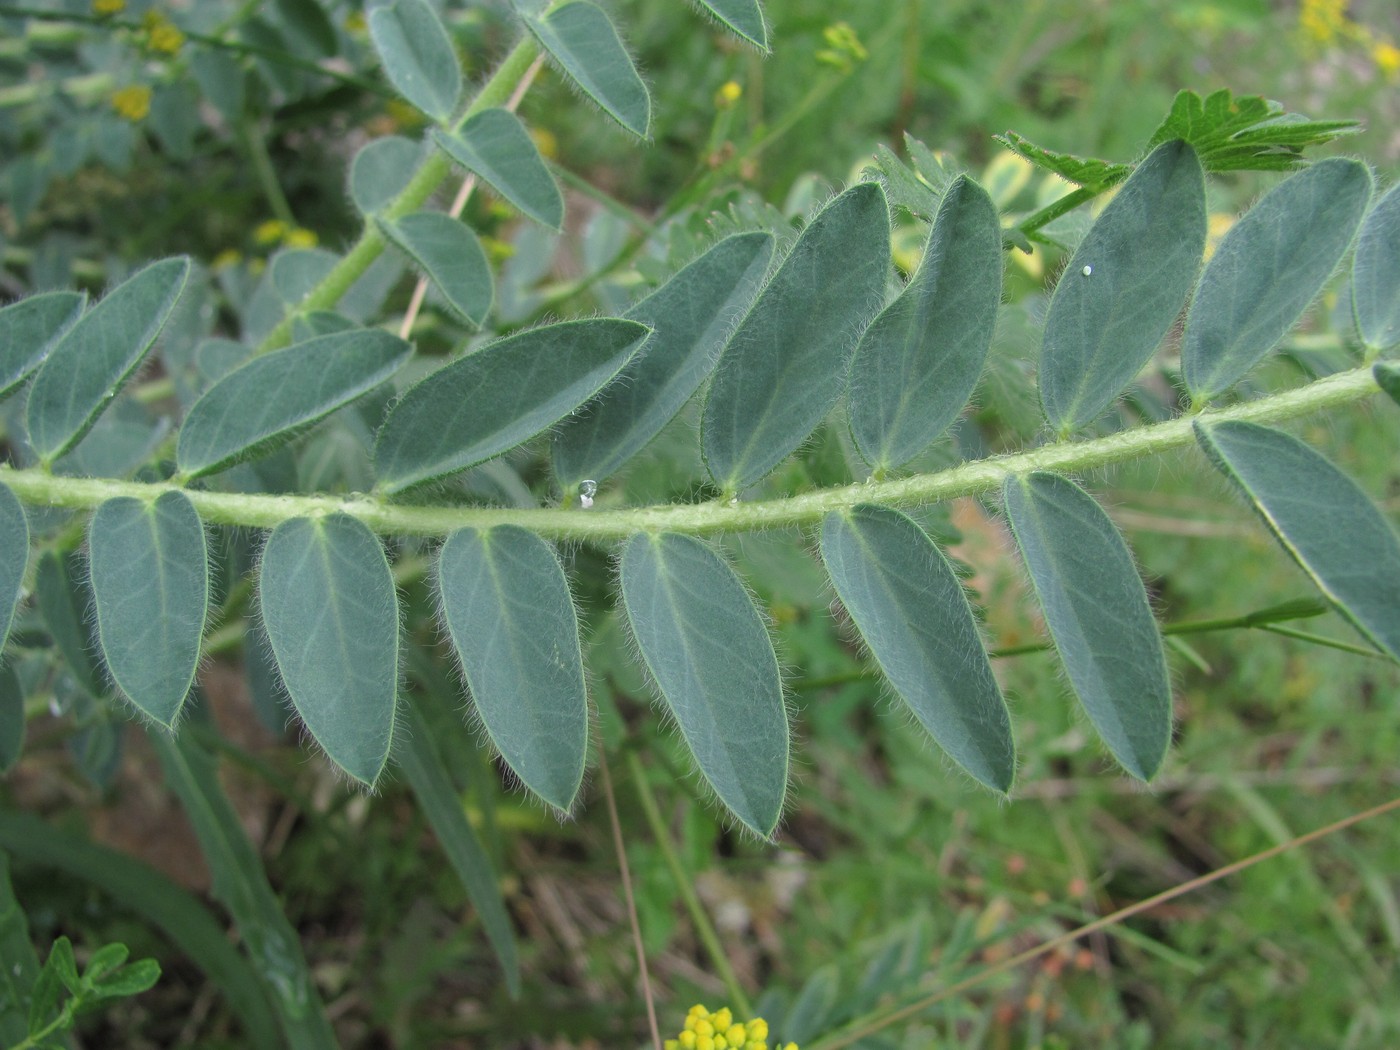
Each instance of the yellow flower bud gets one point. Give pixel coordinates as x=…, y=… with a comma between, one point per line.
x=735, y=1034
x=132, y=102
x=300, y=238
x=106, y=8
x=687, y=1039
x=270, y=232
x=729, y=93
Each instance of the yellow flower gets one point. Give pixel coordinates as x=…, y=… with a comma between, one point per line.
x=1387, y=58
x=270, y=232
x=721, y=1031
x=729, y=93
x=545, y=142
x=227, y=258
x=132, y=102
x=107, y=8
x=299, y=238
x=1323, y=20
x=162, y=35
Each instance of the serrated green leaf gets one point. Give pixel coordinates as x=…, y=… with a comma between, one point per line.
x=14, y=557
x=744, y=17
x=918, y=361
x=709, y=653
x=261, y=406
x=94, y=359
x=1248, y=133
x=508, y=611
x=381, y=170
x=329, y=608
x=786, y=365
x=63, y=604
x=130, y=980
x=1089, y=172
x=1266, y=271
x=1096, y=608
x=449, y=253
x=498, y=397
x=12, y=722
x=496, y=146
x=1375, y=277
x=1325, y=522
x=581, y=38
x=150, y=585
x=693, y=315
x=1124, y=287
x=417, y=55
x=29, y=329
x=911, y=610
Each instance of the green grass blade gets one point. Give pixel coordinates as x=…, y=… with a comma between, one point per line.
x=331, y=614
x=1325, y=522
x=496, y=146
x=911, y=610
x=709, y=653
x=507, y=608
x=1096, y=608
x=450, y=254
x=150, y=585
x=1375, y=278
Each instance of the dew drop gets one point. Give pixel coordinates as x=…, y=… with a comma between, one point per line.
x=586, y=491
x=1087, y=271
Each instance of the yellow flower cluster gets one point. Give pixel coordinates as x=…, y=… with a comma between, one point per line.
x=719, y=1031
x=107, y=8
x=843, y=48
x=132, y=102
x=162, y=35
x=276, y=232
x=1325, y=23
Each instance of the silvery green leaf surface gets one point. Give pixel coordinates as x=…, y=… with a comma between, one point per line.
x=1099, y=618
x=693, y=315
x=328, y=604
x=149, y=571
x=1375, y=276
x=29, y=329
x=449, y=253
x=709, y=654
x=1267, y=269
x=1325, y=522
x=267, y=402
x=508, y=611
x=497, y=147
x=499, y=396
x=96, y=356
x=786, y=364
x=744, y=17
x=581, y=38
x=14, y=558
x=417, y=55
x=910, y=608
x=920, y=358
x=63, y=600
x=1124, y=287
x=294, y=273
x=381, y=170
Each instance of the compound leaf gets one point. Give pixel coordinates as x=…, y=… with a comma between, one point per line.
x=709, y=653
x=29, y=329
x=918, y=361
x=508, y=611
x=786, y=365
x=693, y=315
x=89, y=365
x=261, y=406
x=381, y=170
x=911, y=610
x=581, y=38
x=499, y=396
x=1124, y=287
x=328, y=604
x=150, y=587
x=1322, y=519
x=450, y=254
x=1375, y=279
x=1096, y=608
x=496, y=146
x=417, y=55
x=14, y=557
x=744, y=17
x=1266, y=271
x=1248, y=133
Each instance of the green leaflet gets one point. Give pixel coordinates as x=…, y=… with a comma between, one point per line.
x=14, y=557
x=1375, y=277
x=89, y=365
x=1124, y=287
x=918, y=361
x=150, y=586
x=744, y=17
x=11, y=718
x=1388, y=378
x=693, y=314
x=499, y=396
x=417, y=55
x=786, y=365
x=267, y=402
x=449, y=252
x=581, y=38
x=28, y=331
x=1089, y=172
x=710, y=656
x=1322, y=519
x=308, y=24
x=381, y=170
x=63, y=603
x=1096, y=608
x=508, y=611
x=498, y=148
x=328, y=604
x=294, y=273
x=1268, y=269
x=911, y=610
x=442, y=805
